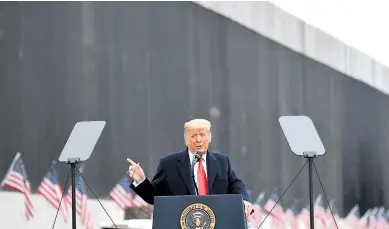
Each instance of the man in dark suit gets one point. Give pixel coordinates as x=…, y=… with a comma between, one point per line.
x=213, y=172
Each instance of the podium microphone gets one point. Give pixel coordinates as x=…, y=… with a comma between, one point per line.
x=196, y=159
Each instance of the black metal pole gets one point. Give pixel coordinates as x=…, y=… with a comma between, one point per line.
x=73, y=168
x=311, y=215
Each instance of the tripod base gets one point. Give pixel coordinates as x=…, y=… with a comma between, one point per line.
x=309, y=156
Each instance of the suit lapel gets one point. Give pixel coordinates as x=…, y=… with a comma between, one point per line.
x=183, y=167
x=212, y=166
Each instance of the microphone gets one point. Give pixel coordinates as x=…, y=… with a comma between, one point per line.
x=196, y=159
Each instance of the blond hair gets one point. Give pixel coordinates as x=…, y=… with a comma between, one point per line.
x=197, y=123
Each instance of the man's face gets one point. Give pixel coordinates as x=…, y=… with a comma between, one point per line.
x=198, y=139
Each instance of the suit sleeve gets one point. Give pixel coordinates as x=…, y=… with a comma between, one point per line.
x=236, y=185
x=148, y=189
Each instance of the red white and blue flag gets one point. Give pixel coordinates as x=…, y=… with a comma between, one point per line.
x=51, y=190
x=277, y=213
x=121, y=194
x=16, y=179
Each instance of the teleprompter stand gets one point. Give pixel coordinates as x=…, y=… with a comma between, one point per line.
x=79, y=147
x=310, y=156
x=73, y=162
x=303, y=140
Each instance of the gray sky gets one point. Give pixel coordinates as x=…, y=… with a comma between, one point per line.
x=363, y=25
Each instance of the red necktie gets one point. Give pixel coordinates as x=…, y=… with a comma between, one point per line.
x=202, y=179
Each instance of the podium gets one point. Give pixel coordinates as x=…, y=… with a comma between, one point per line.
x=199, y=212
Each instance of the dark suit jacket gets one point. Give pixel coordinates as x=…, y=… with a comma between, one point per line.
x=173, y=177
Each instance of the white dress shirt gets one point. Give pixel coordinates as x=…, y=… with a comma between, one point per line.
x=196, y=167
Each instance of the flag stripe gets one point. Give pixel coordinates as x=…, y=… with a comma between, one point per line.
x=50, y=189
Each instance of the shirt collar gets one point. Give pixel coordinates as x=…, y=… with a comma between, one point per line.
x=191, y=156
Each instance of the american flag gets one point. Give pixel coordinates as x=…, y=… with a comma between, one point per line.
x=373, y=221
x=330, y=223
x=256, y=218
x=51, y=190
x=277, y=213
x=387, y=215
x=363, y=221
x=304, y=216
x=260, y=200
x=290, y=215
x=16, y=179
x=122, y=193
x=81, y=202
x=319, y=212
x=137, y=200
x=352, y=218
x=381, y=219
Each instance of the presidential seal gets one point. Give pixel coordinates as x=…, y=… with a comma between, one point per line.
x=197, y=216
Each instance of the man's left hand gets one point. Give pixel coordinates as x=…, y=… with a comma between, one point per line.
x=247, y=208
